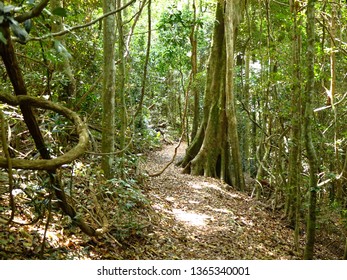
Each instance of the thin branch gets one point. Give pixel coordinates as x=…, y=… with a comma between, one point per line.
x=131, y=32
x=332, y=38
x=9, y=164
x=145, y=67
x=33, y=60
x=49, y=217
x=35, y=12
x=79, y=102
x=251, y=119
x=330, y=106
x=68, y=30
x=280, y=3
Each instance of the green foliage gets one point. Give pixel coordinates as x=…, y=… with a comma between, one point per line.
x=129, y=201
x=174, y=29
x=128, y=196
x=60, y=12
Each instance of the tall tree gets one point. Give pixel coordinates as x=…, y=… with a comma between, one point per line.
x=233, y=13
x=215, y=150
x=293, y=197
x=194, y=62
x=63, y=64
x=310, y=148
x=109, y=88
x=120, y=84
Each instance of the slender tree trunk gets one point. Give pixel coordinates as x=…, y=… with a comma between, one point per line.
x=108, y=98
x=246, y=100
x=310, y=149
x=120, y=86
x=7, y=53
x=63, y=65
x=293, y=195
x=194, y=64
x=336, y=161
x=145, y=66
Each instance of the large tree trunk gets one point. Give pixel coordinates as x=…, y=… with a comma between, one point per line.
x=108, y=97
x=210, y=153
x=212, y=88
x=233, y=17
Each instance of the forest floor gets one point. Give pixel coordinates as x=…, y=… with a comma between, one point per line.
x=185, y=217
x=202, y=218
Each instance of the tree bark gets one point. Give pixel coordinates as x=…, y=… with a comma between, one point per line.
x=310, y=149
x=215, y=150
x=246, y=137
x=120, y=87
x=194, y=64
x=233, y=18
x=212, y=87
x=108, y=97
x=293, y=192
x=7, y=53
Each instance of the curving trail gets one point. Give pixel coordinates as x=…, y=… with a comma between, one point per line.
x=200, y=218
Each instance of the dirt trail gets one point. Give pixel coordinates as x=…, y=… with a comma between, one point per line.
x=201, y=219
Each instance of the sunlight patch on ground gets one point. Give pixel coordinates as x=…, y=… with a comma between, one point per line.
x=170, y=198
x=193, y=202
x=195, y=186
x=220, y=210
x=247, y=222
x=202, y=185
x=192, y=219
x=207, y=185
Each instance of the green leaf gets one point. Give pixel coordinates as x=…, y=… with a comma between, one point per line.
x=2, y=38
x=2, y=19
x=59, y=12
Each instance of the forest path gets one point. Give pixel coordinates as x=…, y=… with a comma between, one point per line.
x=200, y=219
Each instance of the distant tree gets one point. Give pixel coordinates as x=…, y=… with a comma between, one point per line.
x=63, y=63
